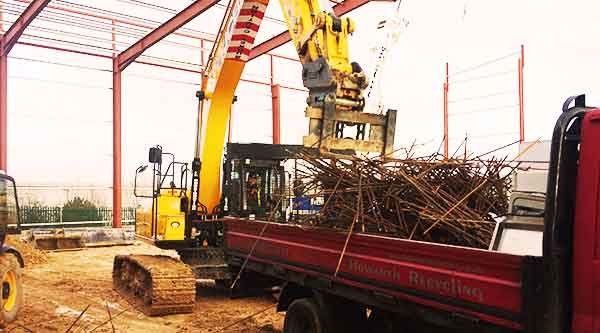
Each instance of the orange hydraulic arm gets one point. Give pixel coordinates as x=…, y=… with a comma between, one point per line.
x=335, y=86
x=224, y=70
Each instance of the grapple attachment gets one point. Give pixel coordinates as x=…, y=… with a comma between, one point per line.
x=371, y=133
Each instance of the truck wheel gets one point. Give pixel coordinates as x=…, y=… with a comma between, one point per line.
x=304, y=316
x=12, y=288
x=348, y=317
x=381, y=322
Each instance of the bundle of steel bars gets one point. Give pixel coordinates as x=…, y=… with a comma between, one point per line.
x=429, y=199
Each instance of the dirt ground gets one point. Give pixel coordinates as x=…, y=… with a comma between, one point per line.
x=60, y=285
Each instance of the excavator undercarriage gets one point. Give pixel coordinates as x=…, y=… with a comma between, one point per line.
x=156, y=285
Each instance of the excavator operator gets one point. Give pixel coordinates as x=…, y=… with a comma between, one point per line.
x=253, y=192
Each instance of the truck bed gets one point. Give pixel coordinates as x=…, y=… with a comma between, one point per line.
x=463, y=283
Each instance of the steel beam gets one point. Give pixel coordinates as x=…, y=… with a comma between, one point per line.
x=117, y=190
x=13, y=34
x=198, y=7
x=284, y=37
x=8, y=40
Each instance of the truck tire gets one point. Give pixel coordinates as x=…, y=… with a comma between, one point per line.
x=12, y=288
x=347, y=316
x=304, y=315
x=383, y=322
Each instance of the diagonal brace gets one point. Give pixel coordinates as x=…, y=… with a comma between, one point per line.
x=192, y=11
x=284, y=37
x=13, y=34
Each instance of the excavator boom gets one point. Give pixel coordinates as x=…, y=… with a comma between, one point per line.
x=227, y=61
x=335, y=85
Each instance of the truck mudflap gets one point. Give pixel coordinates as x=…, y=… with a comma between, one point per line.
x=473, y=283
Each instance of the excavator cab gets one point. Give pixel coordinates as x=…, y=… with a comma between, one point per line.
x=164, y=200
x=254, y=181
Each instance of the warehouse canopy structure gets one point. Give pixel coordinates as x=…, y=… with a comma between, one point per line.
x=91, y=22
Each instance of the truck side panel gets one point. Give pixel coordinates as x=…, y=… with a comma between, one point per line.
x=586, y=262
x=477, y=283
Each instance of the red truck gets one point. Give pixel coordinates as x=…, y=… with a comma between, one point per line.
x=394, y=285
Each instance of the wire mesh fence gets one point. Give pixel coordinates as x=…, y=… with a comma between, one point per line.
x=479, y=100
x=53, y=216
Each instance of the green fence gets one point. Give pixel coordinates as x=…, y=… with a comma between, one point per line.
x=40, y=214
x=57, y=215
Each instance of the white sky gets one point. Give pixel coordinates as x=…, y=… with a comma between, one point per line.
x=61, y=134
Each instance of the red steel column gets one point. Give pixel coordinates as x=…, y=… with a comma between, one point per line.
x=521, y=96
x=276, y=100
x=124, y=59
x=275, y=106
x=3, y=111
x=117, y=190
x=446, y=137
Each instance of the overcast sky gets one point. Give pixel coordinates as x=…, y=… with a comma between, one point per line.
x=60, y=117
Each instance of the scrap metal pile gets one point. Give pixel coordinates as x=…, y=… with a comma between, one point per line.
x=428, y=199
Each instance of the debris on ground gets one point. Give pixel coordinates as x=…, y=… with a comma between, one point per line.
x=31, y=255
x=58, y=290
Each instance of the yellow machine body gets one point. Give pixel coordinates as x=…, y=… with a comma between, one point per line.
x=170, y=224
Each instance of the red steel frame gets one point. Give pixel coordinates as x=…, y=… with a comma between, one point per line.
x=125, y=58
x=284, y=37
x=521, y=92
x=9, y=39
x=120, y=63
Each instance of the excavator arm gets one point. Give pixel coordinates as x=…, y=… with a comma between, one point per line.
x=334, y=106
x=335, y=84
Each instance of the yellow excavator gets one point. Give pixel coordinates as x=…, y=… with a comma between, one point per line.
x=11, y=260
x=185, y=218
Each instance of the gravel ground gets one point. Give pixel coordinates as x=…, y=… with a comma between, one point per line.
x=62, y=284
